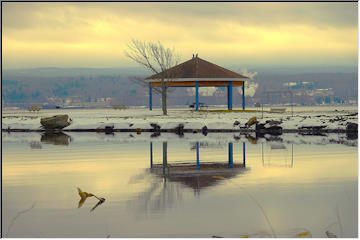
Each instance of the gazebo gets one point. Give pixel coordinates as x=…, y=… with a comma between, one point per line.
x=197, y=72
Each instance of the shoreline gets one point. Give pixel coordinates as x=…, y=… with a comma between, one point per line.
x=172, y=130
x=182, y=121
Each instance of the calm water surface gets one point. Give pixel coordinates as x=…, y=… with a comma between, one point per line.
x=274, y=189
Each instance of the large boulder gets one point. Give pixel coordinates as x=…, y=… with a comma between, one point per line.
x=55, y=122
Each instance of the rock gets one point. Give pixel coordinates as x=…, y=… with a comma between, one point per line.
x=155, y=134
x=109, y=129
x=179, y=130
x=204, y=130
x=251, y=122
x=274, y=130
x=351, y=115
x=351, y=127
x=351, y=131
x=55, y=122
x=273, y=122
x=312, y=130
x=260, y=127
x=155, y=126
x=236, y=123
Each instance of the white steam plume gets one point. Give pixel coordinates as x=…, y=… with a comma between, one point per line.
x=203, y=91
x=250, y=85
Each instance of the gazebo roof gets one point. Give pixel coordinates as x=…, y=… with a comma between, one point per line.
x=197, y=69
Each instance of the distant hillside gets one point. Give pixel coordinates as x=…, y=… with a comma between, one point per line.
x=26, y=86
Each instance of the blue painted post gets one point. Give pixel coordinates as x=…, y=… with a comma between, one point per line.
x=197, y=95
x=151, y=155
x=231, y=165
x=197, y=156
x=244, y=163
x=243, y=96
x=150, y=97
x=230, y=96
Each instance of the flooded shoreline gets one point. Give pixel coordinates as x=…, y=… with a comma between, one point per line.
x=306, y=121
x=171, y=183
x=171, y=186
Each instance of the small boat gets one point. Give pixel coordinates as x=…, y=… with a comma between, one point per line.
x=56, y=122
x=277, y=110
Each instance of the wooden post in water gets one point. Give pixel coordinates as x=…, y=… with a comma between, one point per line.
x=197, y=156
x=151, y=155
x=244, y=162
x=164, y=158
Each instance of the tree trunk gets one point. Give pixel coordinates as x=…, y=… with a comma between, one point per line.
x=163, y=97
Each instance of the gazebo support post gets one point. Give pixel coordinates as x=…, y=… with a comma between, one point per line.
x=150, y=97
x=197, y=95
x=230, y=95
x=197, y=156
x=231, y=162
x=243, y=96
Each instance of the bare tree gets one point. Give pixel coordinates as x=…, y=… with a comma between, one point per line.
x=157, y=58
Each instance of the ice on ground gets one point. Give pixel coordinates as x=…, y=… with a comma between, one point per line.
x=133, y=118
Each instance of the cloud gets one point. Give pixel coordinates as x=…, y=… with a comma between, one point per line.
x=95, y=34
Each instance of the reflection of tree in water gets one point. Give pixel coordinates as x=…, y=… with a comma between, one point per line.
x=161, y=195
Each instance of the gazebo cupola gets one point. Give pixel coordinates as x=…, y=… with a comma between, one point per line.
x=197, y=72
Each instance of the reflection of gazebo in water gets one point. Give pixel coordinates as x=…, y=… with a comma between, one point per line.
x=197, y=72
x=197, y=175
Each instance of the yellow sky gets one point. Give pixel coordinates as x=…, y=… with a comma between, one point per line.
x=96, y=34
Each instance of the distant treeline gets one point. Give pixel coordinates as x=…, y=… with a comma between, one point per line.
x=25, y=88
